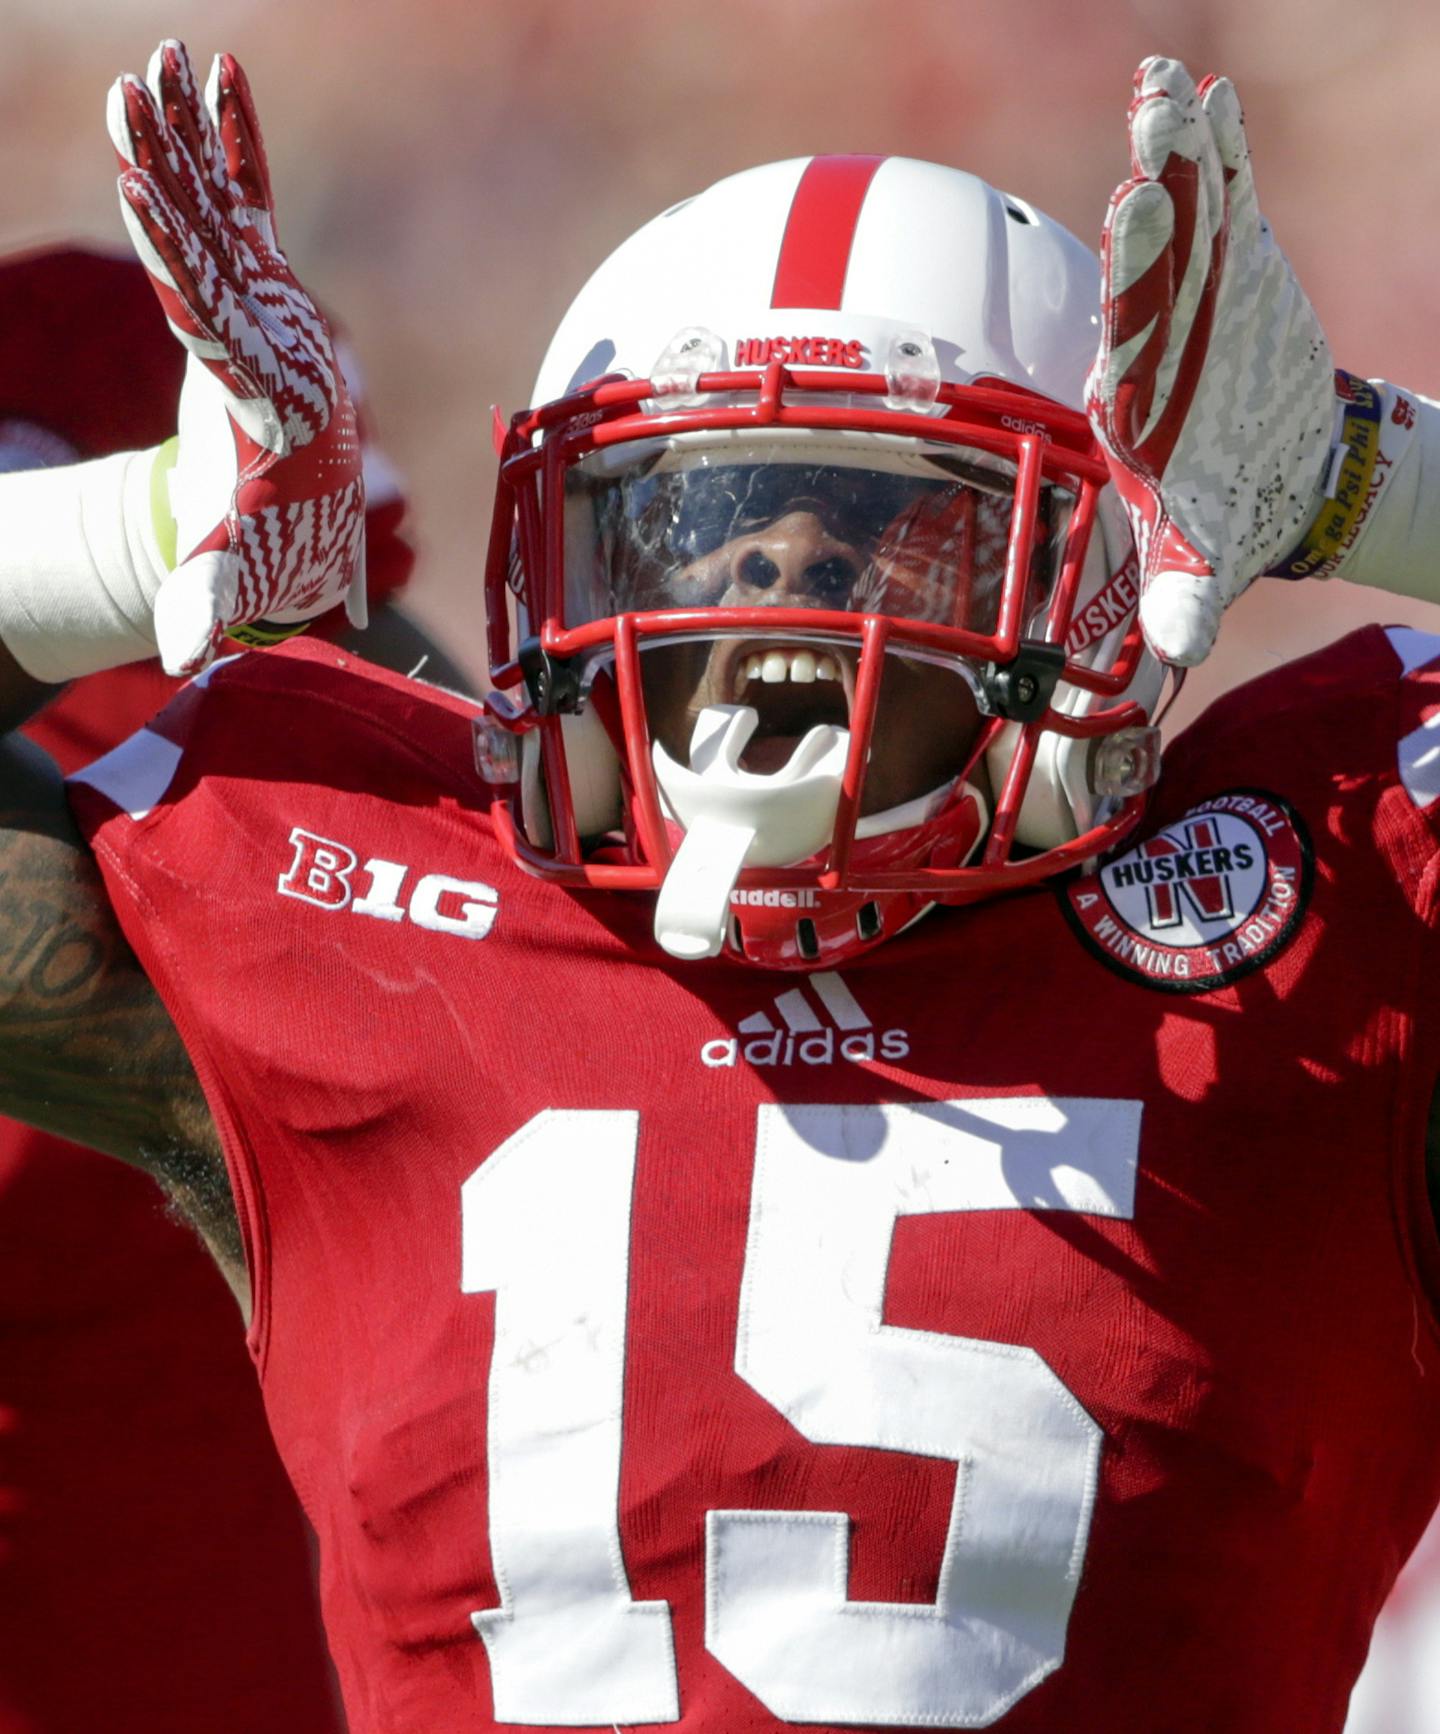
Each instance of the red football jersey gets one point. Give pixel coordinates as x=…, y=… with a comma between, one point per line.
x=1031, y=1325
x=141, y=1502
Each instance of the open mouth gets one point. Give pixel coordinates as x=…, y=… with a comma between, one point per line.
x=792, y=689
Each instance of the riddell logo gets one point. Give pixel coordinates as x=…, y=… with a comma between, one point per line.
x=805, y=1035
x=802, y=899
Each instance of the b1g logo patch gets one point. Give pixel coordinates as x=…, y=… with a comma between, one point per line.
x=1203, y=902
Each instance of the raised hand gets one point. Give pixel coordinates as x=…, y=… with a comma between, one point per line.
x=266, y=491
x=1213, y=391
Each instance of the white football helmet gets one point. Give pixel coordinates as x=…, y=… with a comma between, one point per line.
x=796, y=615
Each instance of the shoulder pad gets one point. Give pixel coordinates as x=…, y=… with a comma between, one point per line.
x=213, y=709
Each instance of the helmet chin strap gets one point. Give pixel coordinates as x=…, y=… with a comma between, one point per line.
x=735, y=818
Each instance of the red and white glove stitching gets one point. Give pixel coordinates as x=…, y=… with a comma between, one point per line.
x=1212, y=392
x=270, y=505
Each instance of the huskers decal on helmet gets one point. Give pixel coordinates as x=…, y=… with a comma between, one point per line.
x=1111, y=606
x=801, y=351
x=1204, y=901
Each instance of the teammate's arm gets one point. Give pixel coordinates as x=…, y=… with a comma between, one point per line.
x=87, y=1049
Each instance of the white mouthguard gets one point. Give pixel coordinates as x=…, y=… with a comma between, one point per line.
x=735, y=818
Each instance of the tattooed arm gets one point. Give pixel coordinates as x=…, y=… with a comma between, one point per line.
x=87, y=1050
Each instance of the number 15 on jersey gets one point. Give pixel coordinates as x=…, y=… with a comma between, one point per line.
x=547, y=1226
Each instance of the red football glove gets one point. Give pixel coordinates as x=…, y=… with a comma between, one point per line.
x=266, y=491
x=1213, y=391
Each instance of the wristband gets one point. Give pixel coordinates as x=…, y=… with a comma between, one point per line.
x=1361, y=464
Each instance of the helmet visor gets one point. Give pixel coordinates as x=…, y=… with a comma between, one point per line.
x=917, y=534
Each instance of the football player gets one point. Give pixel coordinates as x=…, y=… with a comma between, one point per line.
x=142, y=1500
x=695, y=1279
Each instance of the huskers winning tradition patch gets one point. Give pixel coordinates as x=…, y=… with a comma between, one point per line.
x=1211, y=897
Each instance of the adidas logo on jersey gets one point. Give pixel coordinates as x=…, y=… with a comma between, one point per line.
x=810, y=1028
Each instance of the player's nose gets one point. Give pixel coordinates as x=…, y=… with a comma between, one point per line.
x=792, y=562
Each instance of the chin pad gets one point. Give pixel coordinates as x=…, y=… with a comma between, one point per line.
x=594, y=780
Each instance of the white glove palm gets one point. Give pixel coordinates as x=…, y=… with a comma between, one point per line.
x=1213, y=390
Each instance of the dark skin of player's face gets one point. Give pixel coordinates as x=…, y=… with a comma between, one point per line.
x=795, y=562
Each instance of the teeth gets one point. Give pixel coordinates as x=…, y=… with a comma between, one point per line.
x=776, y=666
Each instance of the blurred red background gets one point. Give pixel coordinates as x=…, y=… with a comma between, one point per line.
x=449, y=171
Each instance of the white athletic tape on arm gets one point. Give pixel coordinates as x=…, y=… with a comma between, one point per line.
x=80, y=566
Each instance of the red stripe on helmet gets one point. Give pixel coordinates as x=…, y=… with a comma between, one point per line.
x=820, y=231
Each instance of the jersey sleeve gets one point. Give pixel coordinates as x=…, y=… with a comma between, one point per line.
x=1354, y=729
x=1352, y=733
x=1407, y=819
x=1417, y=749
x=198, y=821
x=117, y=800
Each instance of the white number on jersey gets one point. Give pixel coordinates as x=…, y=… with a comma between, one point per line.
x=546, y=1225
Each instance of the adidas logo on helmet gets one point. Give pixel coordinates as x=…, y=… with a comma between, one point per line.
x=805, y=1036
